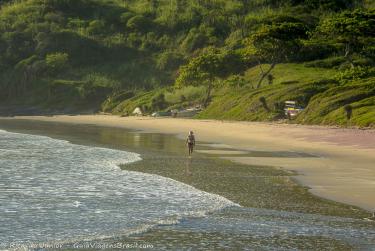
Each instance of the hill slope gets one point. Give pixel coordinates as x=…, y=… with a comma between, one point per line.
x=158, y=55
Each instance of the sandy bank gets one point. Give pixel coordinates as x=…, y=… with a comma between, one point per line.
x=344, y=170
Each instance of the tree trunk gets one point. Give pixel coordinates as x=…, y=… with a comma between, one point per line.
x=264, y=74
x=208, y=94
x=348, y=55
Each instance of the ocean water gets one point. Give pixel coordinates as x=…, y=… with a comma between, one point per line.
x=55, y=191
x=240, y=228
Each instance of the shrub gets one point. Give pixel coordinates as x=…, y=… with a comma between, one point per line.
x=97, y=79
x=235, y=81
x=124, y=18
x=355, y=73
x=194, y=40
x=158, y=102
x=270, y=79
x=364, y=62
x=349, y=111
x=327, y=63
x=190, y=93
x=96, y=27
x=169, y=60
x=263, y=101
x=57, y=61
x=139, y=23
x=315, y=50
x=116, y=99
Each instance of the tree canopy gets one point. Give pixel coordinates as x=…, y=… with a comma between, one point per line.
x=352, y=30
x=143, y=45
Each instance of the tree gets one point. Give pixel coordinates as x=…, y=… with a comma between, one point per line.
x=96, y=27
x=158, y=102
x=334, y=5
x=56, y=62
x=124, y=18
x=169, y=60
x=352, y=30
x=275, y=43
x=207, y=68
x=236, y=81
x=27, y=70
x=197, y=38
x=139, y=23
x=17, y=46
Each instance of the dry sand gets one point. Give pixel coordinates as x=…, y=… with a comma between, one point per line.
x=344, y=170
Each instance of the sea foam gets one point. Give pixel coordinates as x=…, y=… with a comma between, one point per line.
x=55, y=191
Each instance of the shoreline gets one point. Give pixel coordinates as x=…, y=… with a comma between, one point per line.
x=271, y=201
x=343, y=170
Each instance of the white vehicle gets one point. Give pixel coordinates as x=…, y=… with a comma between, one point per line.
x=187, y=113
x=291, y=109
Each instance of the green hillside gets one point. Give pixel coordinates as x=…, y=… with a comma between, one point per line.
x=239, y=59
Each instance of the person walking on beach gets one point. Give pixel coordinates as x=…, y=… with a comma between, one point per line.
x=190, y=142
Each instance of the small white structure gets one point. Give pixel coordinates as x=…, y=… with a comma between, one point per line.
x=137, y=112
x=291, y=109
x=188, y=113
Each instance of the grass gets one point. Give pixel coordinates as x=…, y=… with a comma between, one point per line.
x=328, y=107
x=127, y=107
x=291, y=82
x=285, y=73
x=174, y=99
x=189, y=93
x=316, y=89
x=313, y=88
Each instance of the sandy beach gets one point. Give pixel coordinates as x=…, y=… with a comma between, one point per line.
x=341, y=166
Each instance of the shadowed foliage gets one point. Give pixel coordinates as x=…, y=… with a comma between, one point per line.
x=172, y=54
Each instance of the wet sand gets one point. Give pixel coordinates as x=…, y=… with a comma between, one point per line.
x=343, y=169
x=276, y=212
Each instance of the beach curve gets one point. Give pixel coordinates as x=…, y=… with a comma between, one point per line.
x=343, y=171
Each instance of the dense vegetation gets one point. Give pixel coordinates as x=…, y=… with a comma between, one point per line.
x=240, y=59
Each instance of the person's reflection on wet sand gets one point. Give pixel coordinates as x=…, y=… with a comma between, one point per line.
x=189, y=161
